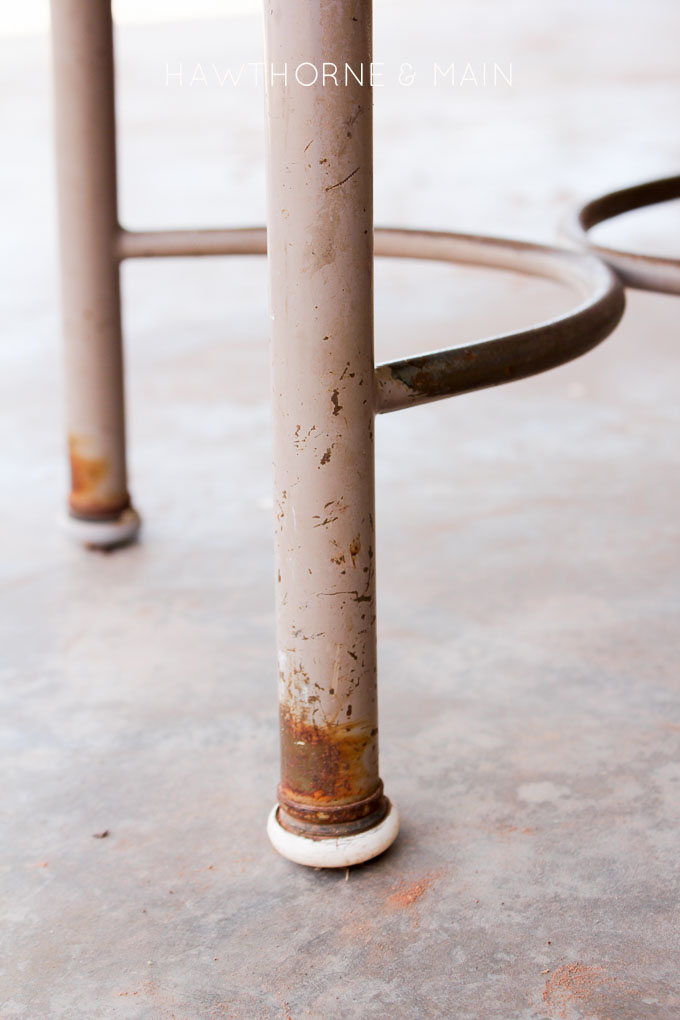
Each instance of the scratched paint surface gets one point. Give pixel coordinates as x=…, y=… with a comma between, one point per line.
x=321, y=287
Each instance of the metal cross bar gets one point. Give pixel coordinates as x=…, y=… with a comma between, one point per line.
x=445, y=373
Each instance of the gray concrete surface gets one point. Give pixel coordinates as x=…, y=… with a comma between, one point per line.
x=528, y=571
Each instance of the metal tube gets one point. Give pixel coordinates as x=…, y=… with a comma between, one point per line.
x=320, y=241
x=82, y=40
x=152, y=244
x=507, y=358
x=445, y=373
x=646, y=272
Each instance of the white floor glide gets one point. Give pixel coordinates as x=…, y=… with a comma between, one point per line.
x=333, y=853
x=104, y=534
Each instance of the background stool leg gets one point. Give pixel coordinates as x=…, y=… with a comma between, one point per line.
x=99, y=503
x=331, y=811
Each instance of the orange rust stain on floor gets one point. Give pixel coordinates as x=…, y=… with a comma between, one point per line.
x=406, y=894
x=588, y=990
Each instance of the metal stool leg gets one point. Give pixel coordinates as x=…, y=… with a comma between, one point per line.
x=99, y=505
x=332, y=811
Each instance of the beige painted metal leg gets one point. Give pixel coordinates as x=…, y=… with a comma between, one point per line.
x=99, y=503
x=331, y=808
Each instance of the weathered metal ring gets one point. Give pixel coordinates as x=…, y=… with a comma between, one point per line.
x=305, y=815
x=445, y=373
x=644, y=272
x=332, y=829
x=512, y=356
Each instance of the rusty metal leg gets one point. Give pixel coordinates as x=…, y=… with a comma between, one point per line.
x=99, y=505
x=331, y=809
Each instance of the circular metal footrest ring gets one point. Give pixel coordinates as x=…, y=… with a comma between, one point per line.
x=512, y=356
x=644, y=272
x=445, y=373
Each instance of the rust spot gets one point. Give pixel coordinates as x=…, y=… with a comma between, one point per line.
x=300, y=441
x=337, y=407
x=327, y=765
x=355, y=549
x=88, y=478
x=327, y=520
x=327, y=456
x=406, y=894
x=87, y=473
x=586, y=989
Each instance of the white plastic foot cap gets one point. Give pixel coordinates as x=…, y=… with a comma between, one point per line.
x=104, y=534
x=342, y=852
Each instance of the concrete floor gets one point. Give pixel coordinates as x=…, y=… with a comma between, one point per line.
x=529, y=560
